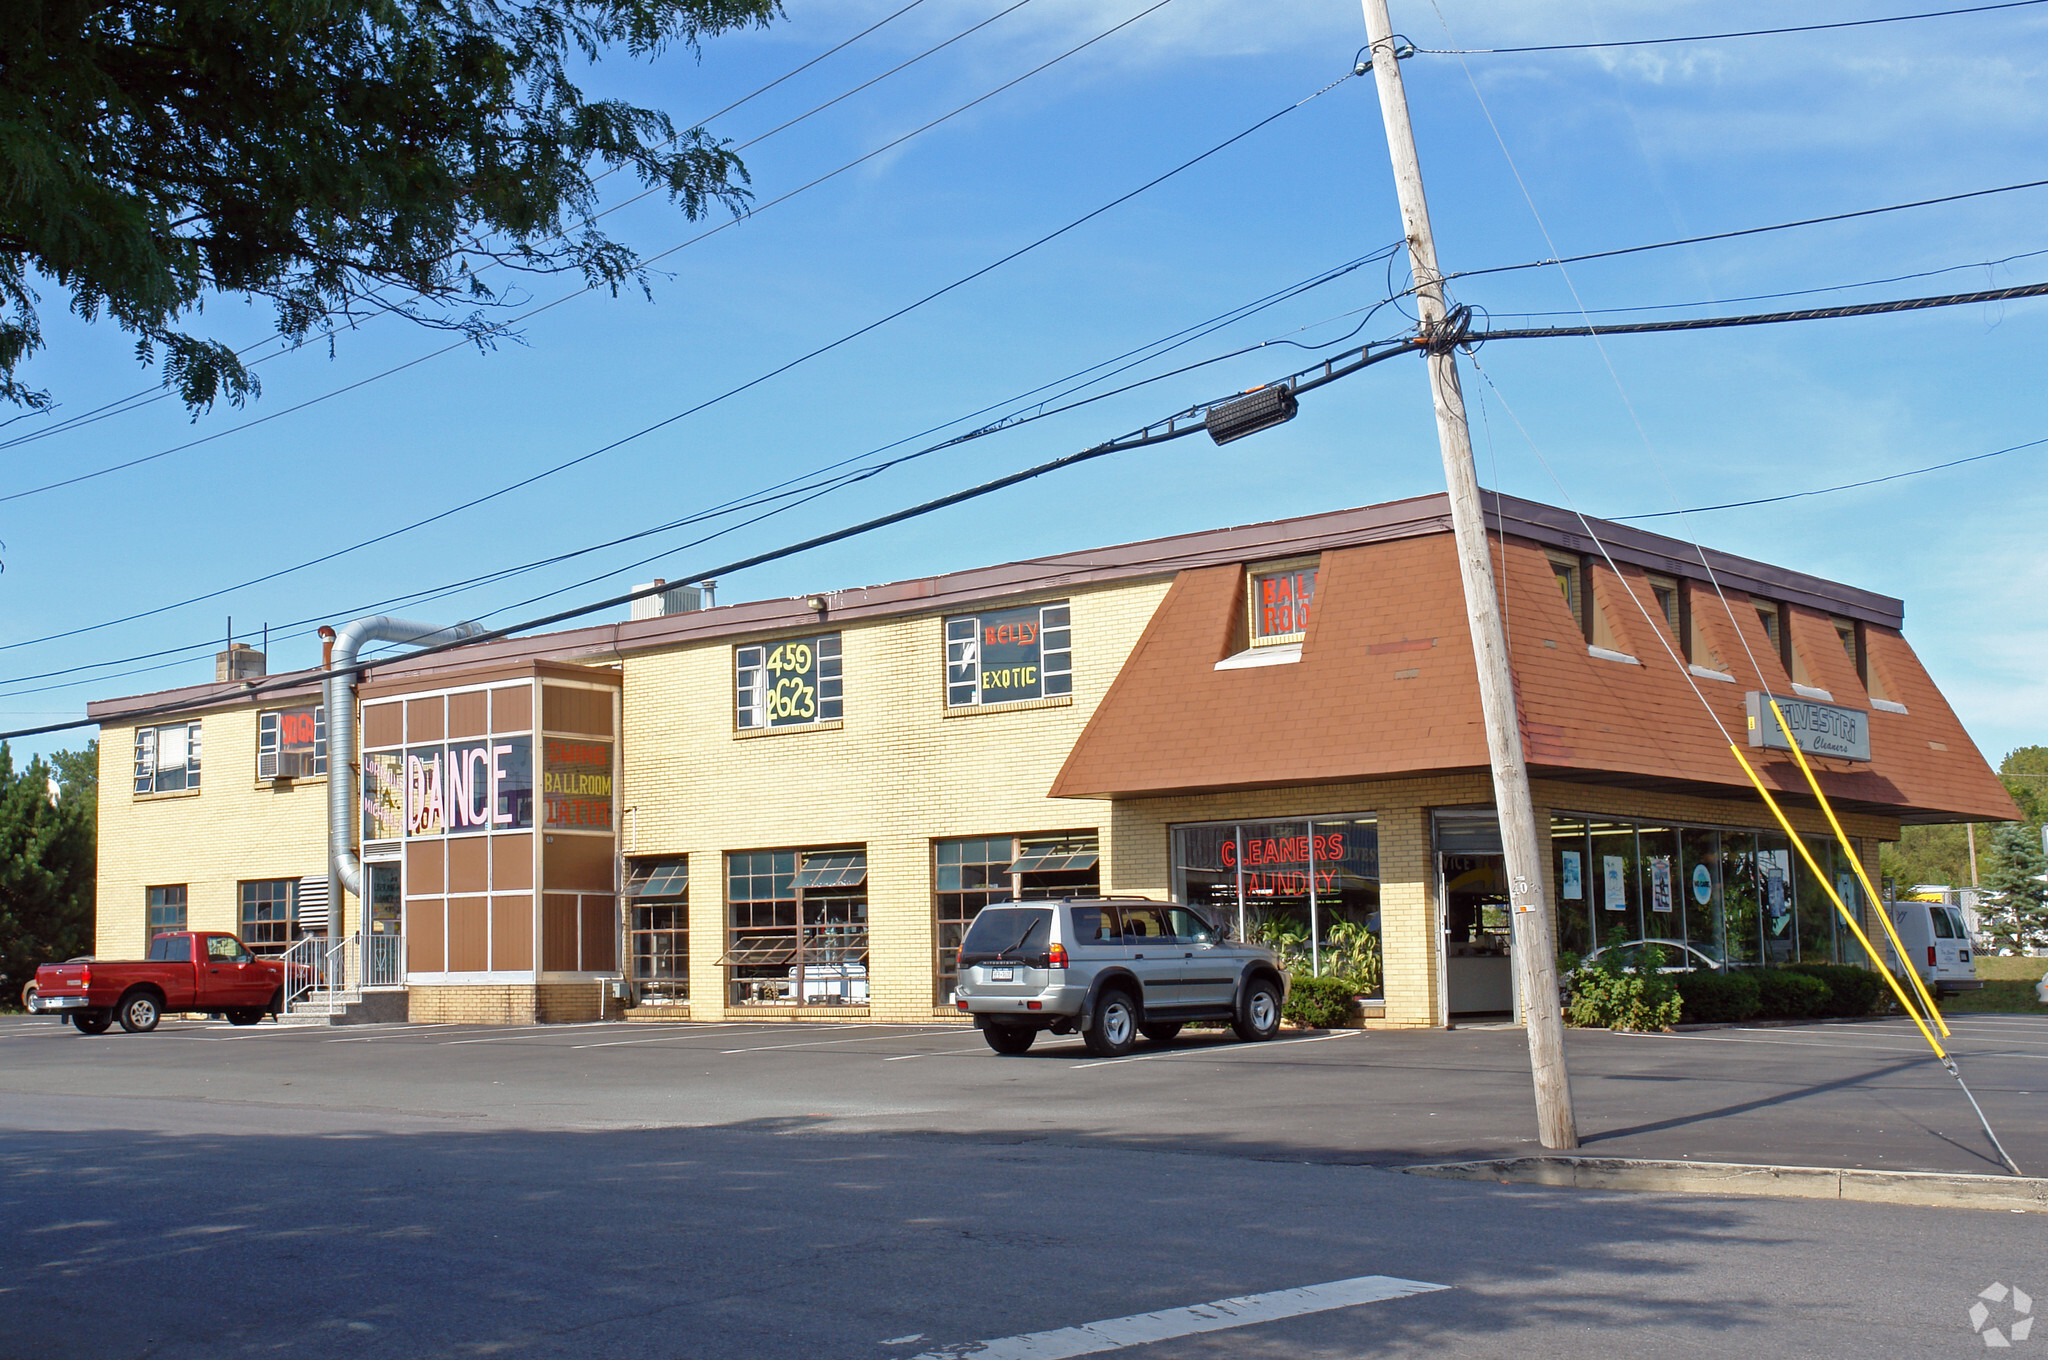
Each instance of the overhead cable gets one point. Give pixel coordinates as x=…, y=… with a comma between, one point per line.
x=1831, y=490
x=1180, y=425
x=150, y=395
x=571, y=296
x=1707, y=323
x=1747, y=231
x=1716, y=37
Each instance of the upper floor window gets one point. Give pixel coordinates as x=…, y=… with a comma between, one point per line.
x=1852, y=643
x=789, y=683
x=1569, y=573
x=292, y=743
x=1278, y=601
x=1009, y=654
x=1664, y=589
x=167, y=758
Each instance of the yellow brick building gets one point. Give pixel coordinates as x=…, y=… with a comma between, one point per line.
x=789, y=808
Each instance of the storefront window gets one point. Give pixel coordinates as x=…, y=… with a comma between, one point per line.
x=1774, y=883
x=658, y=897
x=1310, y=888
x=972, y=872
x=1663, y=917
x=1568, y=880
x=1742, y=898
x=1699, y=885
x=1617, y=894
x=797, y=931
x=1816, y=913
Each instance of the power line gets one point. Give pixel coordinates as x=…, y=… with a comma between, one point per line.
x=575, y=293
x=1703, y=323
x=1714, y=37
x=150, y=395
x=729, y=392
x=1845, y=486
x=1073, y=382
x=1748, y=231
x=1177, y=426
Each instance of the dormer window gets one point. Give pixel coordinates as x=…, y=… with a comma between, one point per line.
x=1278, y=598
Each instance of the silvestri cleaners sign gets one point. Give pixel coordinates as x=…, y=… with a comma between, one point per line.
x=1821, y=729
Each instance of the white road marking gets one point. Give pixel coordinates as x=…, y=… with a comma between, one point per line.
x=935, y=1053
x=1219, y=1051
x=1142, y=1329
x=1916, y=1047
x=533, y=1032
x=694, y=1032
x=861, y=1039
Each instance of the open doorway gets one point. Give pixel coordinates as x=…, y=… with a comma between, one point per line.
x=1478, y=929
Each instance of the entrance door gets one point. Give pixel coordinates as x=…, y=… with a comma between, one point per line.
x=1478, y=927
x=384, y=938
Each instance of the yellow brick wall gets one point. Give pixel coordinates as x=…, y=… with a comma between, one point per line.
x=898, y=772
x=233, y=828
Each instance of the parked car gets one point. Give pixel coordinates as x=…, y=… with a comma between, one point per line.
x=1680, y=956
x=187, y=970
x=1111, y=969
x=1937, y=945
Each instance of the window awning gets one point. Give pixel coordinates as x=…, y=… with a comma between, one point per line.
x=833, y=869
x=759, y=951
x=312, y=902
x=1040, y=859
x=659, y=878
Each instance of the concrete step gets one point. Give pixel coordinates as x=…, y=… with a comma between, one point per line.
x=349, y=1008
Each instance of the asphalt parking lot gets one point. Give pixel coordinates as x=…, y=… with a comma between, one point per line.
x=771, y=1190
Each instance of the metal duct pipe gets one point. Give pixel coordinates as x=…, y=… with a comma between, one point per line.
x=339, y=691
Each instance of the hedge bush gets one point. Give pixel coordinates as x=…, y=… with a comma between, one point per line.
x=1787, y=995
x=1711, y=998
x=1320, y=1002
x=1616, y=999
x=1852, y=991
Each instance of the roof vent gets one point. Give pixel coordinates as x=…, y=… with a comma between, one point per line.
x=239, y=662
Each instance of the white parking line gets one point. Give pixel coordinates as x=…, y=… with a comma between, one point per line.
x=693, y=1032
x=937, y=1053
x=536, y=1032
x=1218, y=1052
x=860, y=1039
x=1916, y=1047
x=1143, y=1329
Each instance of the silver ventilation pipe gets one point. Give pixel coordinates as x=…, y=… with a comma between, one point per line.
x=339, y=691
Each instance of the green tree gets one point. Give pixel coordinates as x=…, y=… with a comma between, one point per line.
x=339, y=158
x=2020, y=919
x=46, y=874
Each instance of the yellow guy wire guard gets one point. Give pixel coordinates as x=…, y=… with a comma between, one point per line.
x=1855, y=862
x=1871, y=953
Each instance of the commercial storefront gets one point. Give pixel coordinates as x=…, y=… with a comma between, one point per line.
x=793, y=808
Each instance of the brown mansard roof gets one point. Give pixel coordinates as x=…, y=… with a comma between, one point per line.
x=1360, y=719
x=1386, y=684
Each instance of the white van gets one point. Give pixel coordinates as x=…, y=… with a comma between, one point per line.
x=1937, y=944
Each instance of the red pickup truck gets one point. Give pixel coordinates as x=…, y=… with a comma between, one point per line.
x=187, y=970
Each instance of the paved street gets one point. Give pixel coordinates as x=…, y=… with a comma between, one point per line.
x=774, y=1190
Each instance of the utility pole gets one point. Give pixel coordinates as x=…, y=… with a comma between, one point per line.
x=1534, y=942
x=1970, y=830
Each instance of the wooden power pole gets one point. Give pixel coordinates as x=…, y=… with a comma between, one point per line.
x=1534, y=941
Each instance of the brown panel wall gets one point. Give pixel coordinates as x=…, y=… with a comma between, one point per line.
x=383, y=724
x=588, y=711
x=426, y=719
x=558, y=933
x=426, y=866
x=468, y=935
x=511, y=862
x=577, y=862
x=512, y=709
x=469, y=715
x=469, y=864
x=600, y=934
x=512, y=933
x=424, y=933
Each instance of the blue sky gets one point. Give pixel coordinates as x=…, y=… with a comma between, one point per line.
x=1615, y=148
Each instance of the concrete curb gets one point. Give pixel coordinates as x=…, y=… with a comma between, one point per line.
x=1934, y=1188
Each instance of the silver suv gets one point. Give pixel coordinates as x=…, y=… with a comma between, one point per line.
x=1111, y=968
